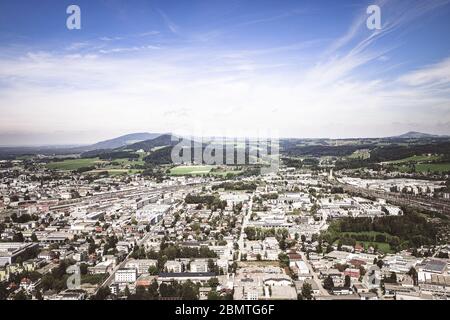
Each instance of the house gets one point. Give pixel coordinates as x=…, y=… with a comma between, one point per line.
x=145, y=280
x=199, y=266
x=314, y=286
x=360, y=288
x=101, y=267
x=368, y=296
x=173, y=266
x=27, y=285
x=203, y=292
x=352, y=273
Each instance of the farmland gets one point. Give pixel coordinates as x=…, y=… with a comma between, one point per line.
x=73, y=164
x=201, y=170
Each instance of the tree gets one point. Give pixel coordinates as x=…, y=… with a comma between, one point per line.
x=189, y=291
x=328, y=283
x=21, y=295
x=284, y=260
x=413, y=274
x=213, y=282
x=306, y=291
x=141, y=294
x=83, y=268
x=18, y=237
x=211, y=265
x=102, y=293
x=347, y=281
x=153, y=270
x=153, y=290
x=34, y=237
x=380, y=263
x=127, y=292
x=213, y=295
x=392, y=278
x=39, y=295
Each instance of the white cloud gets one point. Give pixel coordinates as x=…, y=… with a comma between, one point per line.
x=436, y=75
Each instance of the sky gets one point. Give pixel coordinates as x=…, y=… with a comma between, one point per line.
x=306, y=69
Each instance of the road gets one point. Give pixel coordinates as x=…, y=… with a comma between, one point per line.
x=322, y=290
x=244, y=225
x=110, y=278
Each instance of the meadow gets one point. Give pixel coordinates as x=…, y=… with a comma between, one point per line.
x=73, y=164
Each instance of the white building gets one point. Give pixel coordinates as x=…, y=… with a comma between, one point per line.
x=125, y=275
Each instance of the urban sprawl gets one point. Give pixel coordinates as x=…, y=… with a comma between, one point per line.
x=313, y=230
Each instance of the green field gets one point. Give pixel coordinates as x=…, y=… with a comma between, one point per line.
x=382, y=246
x=360, y=154
x=200, y=170
x=415, y=159
x=73, y=164
x=433, y=167
x=425, y=167
x=190, y=170
x=125, y=162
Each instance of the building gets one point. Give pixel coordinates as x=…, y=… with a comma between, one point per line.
x=199, y=266
x=125, y=275
x=196, y=277
x=173, y=266
x=11, y=251
x=141, y=265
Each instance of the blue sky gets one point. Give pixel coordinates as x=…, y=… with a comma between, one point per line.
x=297, y=68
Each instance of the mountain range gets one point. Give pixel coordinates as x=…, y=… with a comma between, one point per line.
x=149, y=141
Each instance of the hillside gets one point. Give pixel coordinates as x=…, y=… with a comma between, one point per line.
x=122, y=141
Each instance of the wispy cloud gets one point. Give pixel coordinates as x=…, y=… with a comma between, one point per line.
x=168, y=22
x=128, y=49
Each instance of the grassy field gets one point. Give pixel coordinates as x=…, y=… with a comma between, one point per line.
x=425, y=167
x=382, y=246
x=190, y=170
x=440, y=167
x=73, y=164
x=415, y=159
x=125, y=162
x=200, y=170
x=360, y=154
